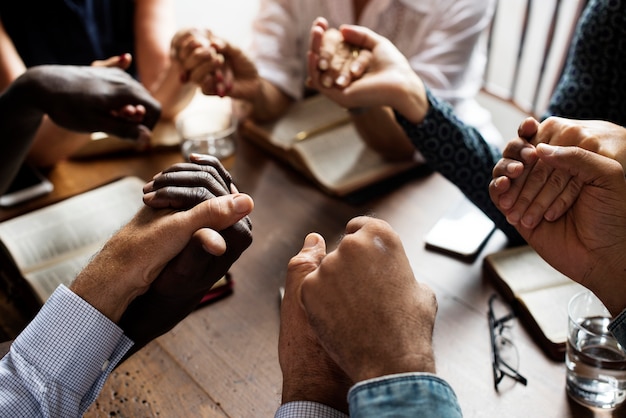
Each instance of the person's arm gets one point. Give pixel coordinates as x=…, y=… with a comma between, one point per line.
x=539, y=191
x=158, y=71
x=335, y=64
x=50, y=143
x=393, y=376
x=69, y=349
x=587, y=243
x=223, y=69
x=82, y=99
x=583, y=90
x=4, y=348
x=11, y=64
x=450, y=147
x=185, y=280
x=74, y=343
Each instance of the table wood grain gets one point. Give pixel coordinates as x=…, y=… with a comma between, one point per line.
x=222, y=361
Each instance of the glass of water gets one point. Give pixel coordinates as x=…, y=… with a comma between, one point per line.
x=204, y=132
x=595, y=361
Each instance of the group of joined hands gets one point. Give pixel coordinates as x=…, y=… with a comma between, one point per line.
x=560, y=183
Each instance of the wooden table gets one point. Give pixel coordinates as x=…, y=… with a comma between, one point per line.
x=222, y=359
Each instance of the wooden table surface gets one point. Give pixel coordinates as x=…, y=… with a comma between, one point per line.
x=222, y=359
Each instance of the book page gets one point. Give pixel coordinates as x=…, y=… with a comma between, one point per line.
x=339, y=160
x=73, y=229
x=549, y=309
x=310, y=115
x=523, y=270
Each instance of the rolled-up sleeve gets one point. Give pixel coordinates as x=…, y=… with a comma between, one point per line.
x=403, y=395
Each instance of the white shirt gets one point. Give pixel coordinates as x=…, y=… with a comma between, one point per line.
x=440, y=38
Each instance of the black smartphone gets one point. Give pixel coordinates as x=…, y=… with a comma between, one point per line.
x=461, y=232
x=27, y=184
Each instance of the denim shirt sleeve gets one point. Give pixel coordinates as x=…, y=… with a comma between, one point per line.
x=618, y=328
x=403, y=395
x=57, y=366
x=461, y=155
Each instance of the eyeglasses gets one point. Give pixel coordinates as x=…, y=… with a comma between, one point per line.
x=504, y=355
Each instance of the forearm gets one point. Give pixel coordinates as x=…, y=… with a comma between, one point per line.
x=173, y=95
x=53, y=143
x=69, y=349
x=4, y=348
x=269, y=103
x=461, y=155
x=379, y=129
x=19, y=121
x=113, y=278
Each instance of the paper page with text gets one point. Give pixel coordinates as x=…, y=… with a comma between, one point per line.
x=52, y=244
x=313, y=114
x=340, y=160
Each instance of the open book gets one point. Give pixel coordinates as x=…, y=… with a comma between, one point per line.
x=317, y=138
x=538, y=293
x=44, y=248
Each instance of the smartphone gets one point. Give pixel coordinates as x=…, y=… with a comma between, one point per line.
x=28, y=184
x=461, y=232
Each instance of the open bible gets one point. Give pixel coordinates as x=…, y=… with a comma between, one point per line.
x=318, y=138
x=538, y=293
x=49, y=246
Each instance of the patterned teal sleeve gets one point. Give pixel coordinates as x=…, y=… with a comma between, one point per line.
x=461, y=155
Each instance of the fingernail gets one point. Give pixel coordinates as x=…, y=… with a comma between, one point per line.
x=241, y=204
x=513, y=218
x=548, y=149
x=327, y=81
x=511, y=168
x=148, y=186
x=355, y=68
x=310, y=241
x=506, y=202
x=526, y=153
x=322, y=64
x=528, y=221
x=342, y=81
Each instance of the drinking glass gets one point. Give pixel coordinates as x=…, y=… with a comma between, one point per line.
x=204, y=132
x=595, y=361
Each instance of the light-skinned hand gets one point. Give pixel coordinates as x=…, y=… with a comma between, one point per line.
x=365, y=306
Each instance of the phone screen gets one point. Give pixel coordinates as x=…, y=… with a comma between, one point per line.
x=461, y=232
x=27, y=184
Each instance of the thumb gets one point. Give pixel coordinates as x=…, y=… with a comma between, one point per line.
x=585, y=165
x=528, y=128
x=306, y=261
x=360, y=36
x=220, y=212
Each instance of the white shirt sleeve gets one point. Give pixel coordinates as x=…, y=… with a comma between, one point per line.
x=57, y=366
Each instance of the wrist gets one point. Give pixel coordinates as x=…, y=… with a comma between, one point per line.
x=419, y=362
x=358, y=111
x=109, y=283
x=413, y=101
x=328, y=387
